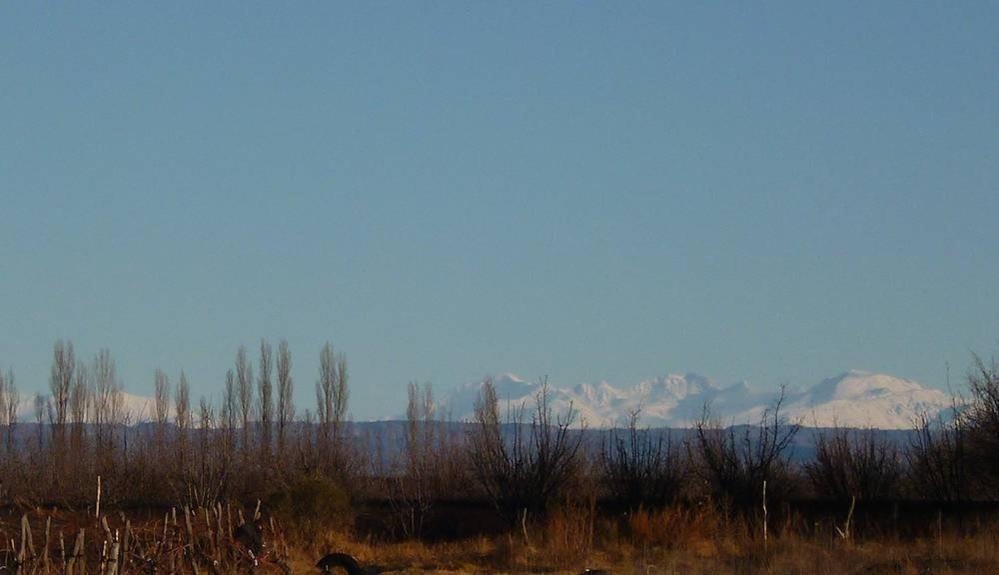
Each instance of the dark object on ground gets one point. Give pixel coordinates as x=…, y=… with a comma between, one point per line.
x=248, y=535
x=595, y=572
x=350, y=565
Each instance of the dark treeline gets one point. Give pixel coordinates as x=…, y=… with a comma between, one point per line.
x=522, y=462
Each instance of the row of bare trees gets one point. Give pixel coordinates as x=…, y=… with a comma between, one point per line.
x=526, y=459
x=189, y=448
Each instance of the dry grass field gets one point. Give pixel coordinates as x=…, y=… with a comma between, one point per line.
x=664, y=542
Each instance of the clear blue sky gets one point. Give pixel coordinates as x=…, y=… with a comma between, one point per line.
x=769, y=191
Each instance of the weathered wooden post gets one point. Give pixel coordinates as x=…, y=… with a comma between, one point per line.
x=77, y=553
x=45, y=553
x=124, y=545
x=62, y=551
x=97, y=512
x=113, y=558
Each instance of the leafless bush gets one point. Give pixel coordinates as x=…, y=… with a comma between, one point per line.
x=206, y=478
x=642, y=467
x=859, y=463
x=937, y=459
x=736, y=463
x=527, y=472
x=431, y=467
x=983, y=424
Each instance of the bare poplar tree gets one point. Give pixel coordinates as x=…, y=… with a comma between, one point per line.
x=41, y=405
x=183, y=414
x=161, y=403
x=286, y=405
x=182, y=417
x=60, y=381
x=105, y=382
x=79, y=403
x=9, y=399
x=265, y=389
x=229, y=413
x=118, y=420
x=244, y=389
x=325, y=390
x=340, y=398
x=420, y=428
x=414, y=490
x=332, y=393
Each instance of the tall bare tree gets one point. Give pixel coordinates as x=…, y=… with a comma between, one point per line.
x=208, y=471
x=332, y=394
x=182, y=403
x=9, y=400
x=325, y=388
x=341, y=397
x=79, y=404
x=60, y=382
x=161, y=403
x=105, y=385
x=420, y=482
x=183, y=417
x=286, y=405
x=265, y=397
x=41, y=405
x=229, y=413
x=244, y=390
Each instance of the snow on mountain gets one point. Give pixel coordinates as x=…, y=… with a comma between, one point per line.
x=859, y=399
x=852, y=399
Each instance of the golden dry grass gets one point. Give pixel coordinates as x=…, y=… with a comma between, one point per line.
x=673, y=541
x=676, y=541
x=786, y=556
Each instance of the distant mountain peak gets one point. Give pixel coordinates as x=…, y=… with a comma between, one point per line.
x=859, y=385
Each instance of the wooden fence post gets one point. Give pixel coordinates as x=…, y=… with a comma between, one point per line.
x=45, y=556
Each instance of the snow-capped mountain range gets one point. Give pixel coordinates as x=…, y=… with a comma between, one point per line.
x=852, y=399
